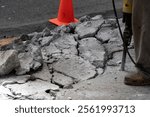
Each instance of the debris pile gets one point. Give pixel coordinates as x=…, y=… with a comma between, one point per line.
x=57, y=59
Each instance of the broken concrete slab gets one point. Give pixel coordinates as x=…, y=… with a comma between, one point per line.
x=85, y=30
x=8, y=61
x=61, y=46
x=46, y=32
x=51, y=49
x=15, y=79
x=85, y=18
x=114, y=44
x=62, y=29
x=104, y=34
x=19, y=45
x=31, y=87
x=32, y=59
x=62, y=80
x=92, y=50
x=75, y=67
x=45, y=41
x=97, y=17
x=89, y=28
x=25, y=63
x=5, y=93
x=43, y=74
x=67, y=44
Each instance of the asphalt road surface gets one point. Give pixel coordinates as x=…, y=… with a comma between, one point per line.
x=24, y=16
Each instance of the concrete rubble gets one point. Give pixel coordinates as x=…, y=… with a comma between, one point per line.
x=8, y=61
x=78, y=61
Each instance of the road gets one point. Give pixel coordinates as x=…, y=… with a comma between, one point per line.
x=17, y=16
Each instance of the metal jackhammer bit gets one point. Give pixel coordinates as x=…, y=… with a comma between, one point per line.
x=127, y=35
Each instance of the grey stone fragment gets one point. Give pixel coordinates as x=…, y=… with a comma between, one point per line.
x=46, y=32
x=85, y=18
x=31, y=35
x=100, y=71
x=5, y=93
x=45, y=41
x=112, y=23
x=75, y=67
x=8, y=61
x=50, y=53
x=97, y=17
x=93, y=51
x=62, y=80
x=30, y=60
x=114, y=44
x=16, y=79
x=89, y=28
x=32, y=87
x=112, y=63
x=66, y=44
x=85, y=30
x=25, y=63
x=19, y=45
x=104, y=34
x=62, y=29
x=43, y=74
x=51, y=49
x=35, y=38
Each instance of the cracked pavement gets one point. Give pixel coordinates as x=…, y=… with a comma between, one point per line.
x=78, y=61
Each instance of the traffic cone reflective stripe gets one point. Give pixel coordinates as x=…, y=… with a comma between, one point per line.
x=65, y=13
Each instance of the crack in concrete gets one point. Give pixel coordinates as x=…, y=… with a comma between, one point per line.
x=74, y=79
x=77, y=46
x=96, y=74
x=107, y=56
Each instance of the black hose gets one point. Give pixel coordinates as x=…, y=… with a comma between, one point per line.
x=140, y=67
x=124, y=43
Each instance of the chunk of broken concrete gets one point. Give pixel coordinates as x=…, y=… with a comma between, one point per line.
x=93, y=51
x=43, y=74
x=75, y=67
x=86, y=30
x=30, y=60
x=66, y=44
x=85, y=18
x=62, y=80
x=89, y=28
x=46, y=32
x=45, y=41
x=31, y=87
x=104, y=34
x=8, y=61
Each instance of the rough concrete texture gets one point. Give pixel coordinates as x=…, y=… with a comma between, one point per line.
x=43, y=74
x=75, y=67
x=62, y=80
x=8, y=61
x=32, y=59
x=92, y=50
x=88, y=28
x=30, y=88
x=78, y=61
x=46, y=40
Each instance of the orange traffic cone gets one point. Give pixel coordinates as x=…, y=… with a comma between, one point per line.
x=65, y=13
